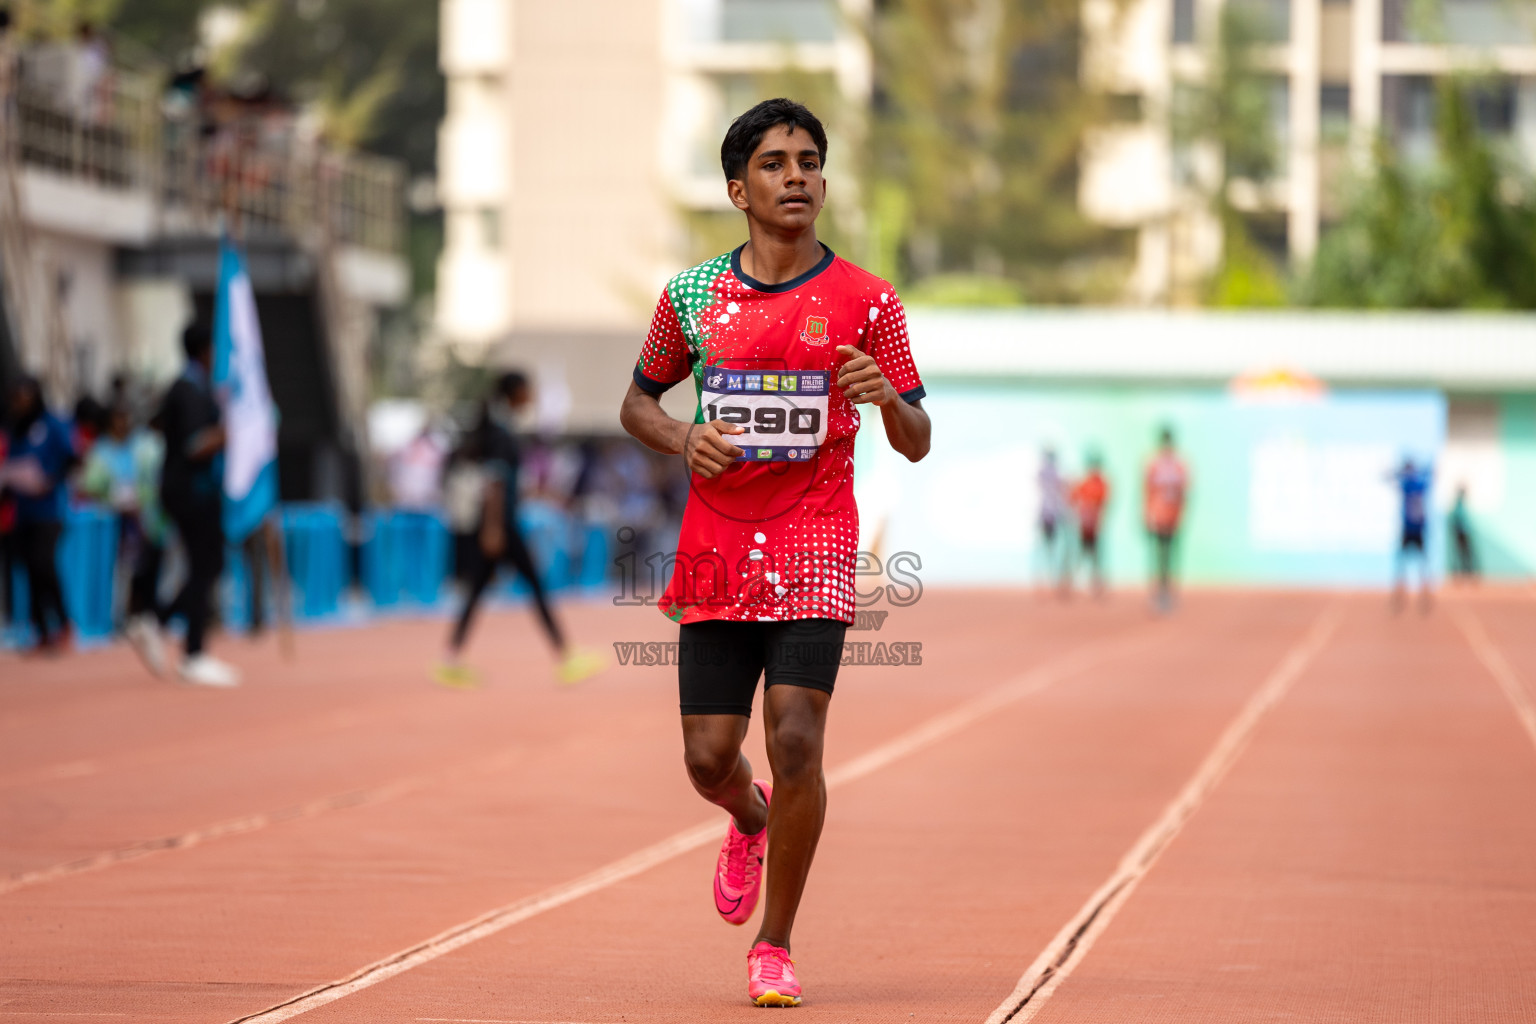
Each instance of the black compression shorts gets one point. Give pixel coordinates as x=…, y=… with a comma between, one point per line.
x=719, y=662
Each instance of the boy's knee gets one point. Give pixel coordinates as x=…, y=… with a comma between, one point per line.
x=795, y=751
x=710, y=767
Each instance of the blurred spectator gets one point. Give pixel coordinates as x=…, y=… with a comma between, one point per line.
x=9, y=558
x=463, y=494
x=256, y=549
x=191, y=489
x=1413, y=484
x=1088, y=499
x=630, y=481
x=89, y=422
x=38, y=457
x=122, y=472
x=92, y=72
x=1053, y=514
x=1164, y=491
x=416, y=473
x=7, y=70
x=1464, y=557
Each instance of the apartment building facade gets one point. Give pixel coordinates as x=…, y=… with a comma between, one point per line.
x=1342, y=72
x=580, y=139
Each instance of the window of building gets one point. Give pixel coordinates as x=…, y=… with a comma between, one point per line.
x=1408, y=114
x=1271, y=19
x=1494, y=105
x=489, y=222
x=1394, y=21
x=761, y=21
x=1183, y=21
x=1333, y=110
x=1270, y=234
x=1459, y=22
x=772, y=21
x=1125, y=107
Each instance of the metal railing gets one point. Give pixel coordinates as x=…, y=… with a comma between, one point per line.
x=253, y=170
x=105, y=132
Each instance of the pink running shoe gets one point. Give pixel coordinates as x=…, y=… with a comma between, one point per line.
x=771, y=976
x=739, y=873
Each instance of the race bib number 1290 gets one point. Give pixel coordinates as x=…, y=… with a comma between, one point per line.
x=784, y=413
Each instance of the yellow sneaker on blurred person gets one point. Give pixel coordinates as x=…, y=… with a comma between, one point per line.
x=578, y=665
x=456, y=675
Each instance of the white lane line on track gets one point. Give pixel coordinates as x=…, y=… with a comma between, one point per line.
x=252, y=823
x=1498, y=666
x=1057, y=961
x=1087, y=656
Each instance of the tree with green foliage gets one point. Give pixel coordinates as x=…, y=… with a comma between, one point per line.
x=1457, y=233
x=976, y=134
x=1228, y=114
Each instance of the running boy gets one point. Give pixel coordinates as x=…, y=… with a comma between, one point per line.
x=782, y=339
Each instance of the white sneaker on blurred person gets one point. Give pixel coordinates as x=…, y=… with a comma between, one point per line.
x=206, y=670
x=143, y=635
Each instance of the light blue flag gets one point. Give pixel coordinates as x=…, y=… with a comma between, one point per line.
x=250, y=418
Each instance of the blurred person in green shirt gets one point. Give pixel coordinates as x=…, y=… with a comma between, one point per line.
x=122, y=472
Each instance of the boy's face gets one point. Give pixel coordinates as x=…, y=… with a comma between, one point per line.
x=783, y=186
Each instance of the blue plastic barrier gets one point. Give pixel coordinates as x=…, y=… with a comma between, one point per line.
x=87, y=556
x=595, y=552
x=317, y=558
x=407, y=556
x=406, y=560
x=566, y=552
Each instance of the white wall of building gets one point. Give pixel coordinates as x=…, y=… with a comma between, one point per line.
x=1129, y=174
x=572, y=151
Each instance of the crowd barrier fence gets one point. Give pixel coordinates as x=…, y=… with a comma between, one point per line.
x=403, y=559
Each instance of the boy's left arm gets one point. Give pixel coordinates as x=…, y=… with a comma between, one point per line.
x=907, y=426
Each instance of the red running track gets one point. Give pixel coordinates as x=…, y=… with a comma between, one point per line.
x=1266, y=806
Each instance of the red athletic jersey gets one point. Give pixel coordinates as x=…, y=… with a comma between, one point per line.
x=1089, y=497
x=1165, y=488
x=773, y=537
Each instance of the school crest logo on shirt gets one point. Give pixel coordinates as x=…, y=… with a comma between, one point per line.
x=815, y=332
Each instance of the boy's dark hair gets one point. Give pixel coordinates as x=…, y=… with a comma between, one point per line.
x=510, y=383
x=196, y=340
x=747, y=131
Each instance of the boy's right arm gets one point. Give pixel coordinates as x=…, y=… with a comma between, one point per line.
x=703, y=445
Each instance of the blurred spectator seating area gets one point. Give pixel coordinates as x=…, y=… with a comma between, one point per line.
x=196, y=151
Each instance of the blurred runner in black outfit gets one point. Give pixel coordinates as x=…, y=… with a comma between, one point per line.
x=494, y=447
x=192, y=493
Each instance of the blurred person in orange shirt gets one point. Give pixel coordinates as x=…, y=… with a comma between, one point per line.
x=1165, y=489
x=1089, y=497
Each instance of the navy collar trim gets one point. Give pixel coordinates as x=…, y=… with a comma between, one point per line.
x=786, y=286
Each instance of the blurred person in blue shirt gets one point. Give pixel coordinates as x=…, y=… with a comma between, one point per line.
x=39, y=456
x=1413, y=483
x=122, y=472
